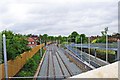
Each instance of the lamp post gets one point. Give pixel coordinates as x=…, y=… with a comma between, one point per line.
x=5, y=57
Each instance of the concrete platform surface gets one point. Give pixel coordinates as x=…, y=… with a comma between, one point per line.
x=108, y=71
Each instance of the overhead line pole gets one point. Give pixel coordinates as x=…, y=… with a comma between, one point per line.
x=106, y=48
x=5, y=57
x=106, y=44
x=40, y=49
x=76, y=43
x=89, y=48
x=81, y=48
x=67, y=40
x=118, y=52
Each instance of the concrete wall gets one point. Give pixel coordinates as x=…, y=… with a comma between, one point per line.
x=108, y=71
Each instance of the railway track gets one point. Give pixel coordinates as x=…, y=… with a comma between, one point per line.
x=48, y=67
x=55, y=65
x=85, y=58
x=60, y=66
x=70, y=72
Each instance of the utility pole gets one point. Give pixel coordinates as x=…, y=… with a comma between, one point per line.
x=95, y=54
x=67, y=40
x=81, y=47
x=118, y=52
x=76, y=43
x=106, y=48
x=59, y=42
x=89, y=48
x=106, y=29
x=40, y=48
x=5, y=57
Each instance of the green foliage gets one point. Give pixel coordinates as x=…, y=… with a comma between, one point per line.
x=101, y=51
x=94, y=41
x=78, y=38
x=103, y=38
x=24, y=73
x=15, y=44
x=50, y=38
x=102, y=54
x=45, y=37
x=31, y=65
x=72, y=36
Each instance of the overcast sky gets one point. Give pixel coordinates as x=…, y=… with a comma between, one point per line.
x=59, y=17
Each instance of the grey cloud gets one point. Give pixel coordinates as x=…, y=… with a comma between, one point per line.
x=62, y=18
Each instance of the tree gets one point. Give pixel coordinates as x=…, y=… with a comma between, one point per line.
x=64, y=39
x=15, y=44
x=103, y=38
x=84, y=38
x=78, y=38
x=29, y=35
x=72, y=36
x=105, y=31
x=59, y=38
x=116, y=35
x=45, y=37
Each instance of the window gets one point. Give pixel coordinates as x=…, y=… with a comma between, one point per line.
x=29, y=43
x=32, y=42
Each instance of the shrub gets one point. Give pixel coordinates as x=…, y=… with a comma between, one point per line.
x=15, y=44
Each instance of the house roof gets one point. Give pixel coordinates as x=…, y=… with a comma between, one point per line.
x=30, y=39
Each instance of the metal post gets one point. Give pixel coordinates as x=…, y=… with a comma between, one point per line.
x=67, y=41
x=59, y=42
x=106, y=47
x=118, y=52
x=89, y=48
x=81, y=48
x=76, y=44
x=40, y=49
x=5, y=56
x=95, y=54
